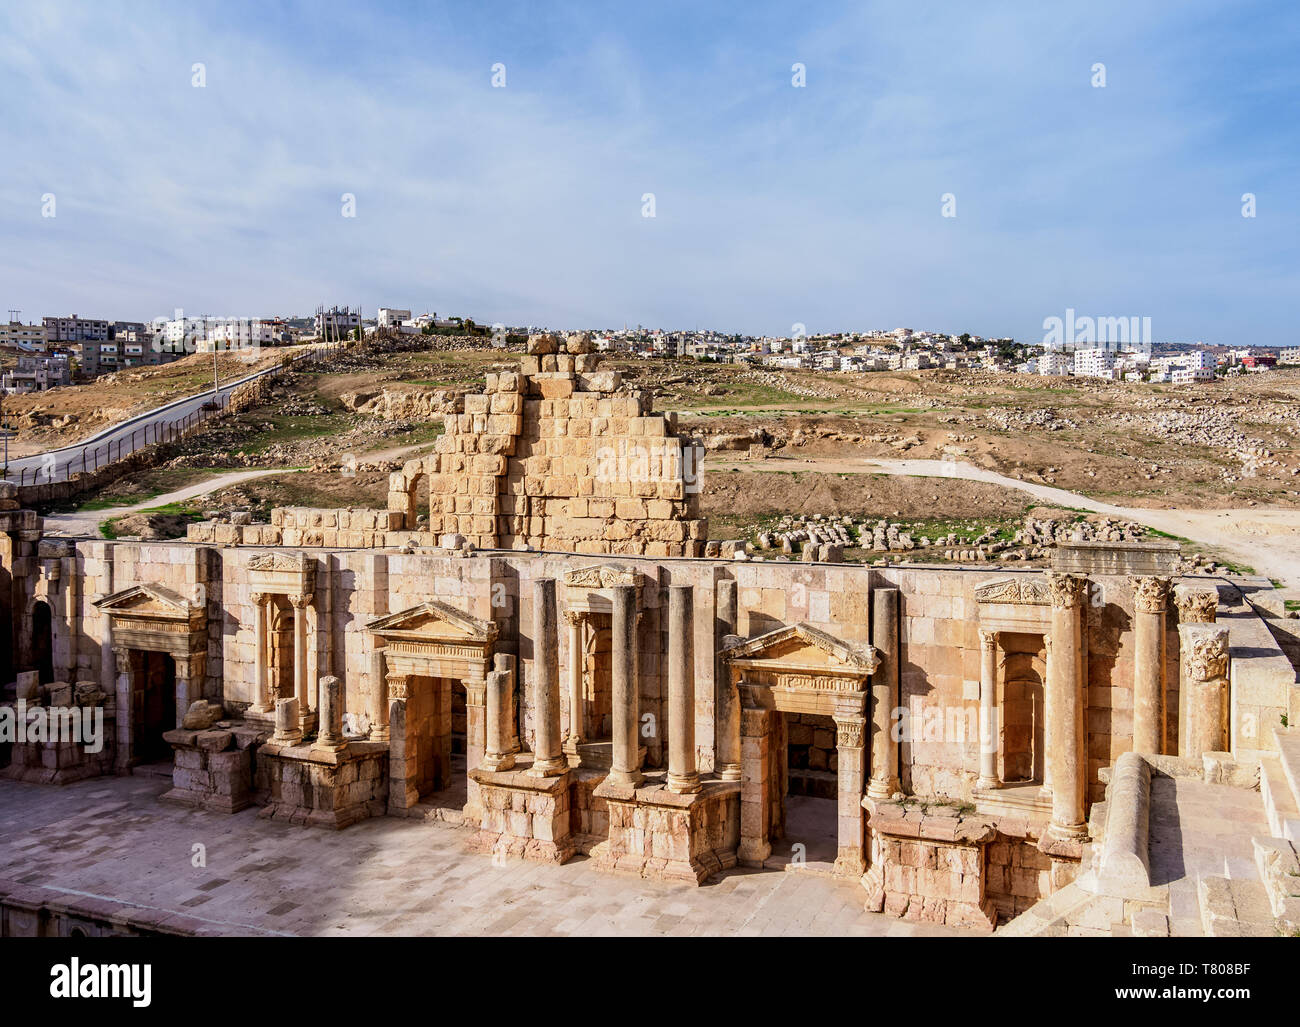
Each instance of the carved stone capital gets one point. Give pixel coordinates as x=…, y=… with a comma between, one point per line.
x=849, y=731
x=1196, y=605
x=301, y=600
x=989, y=639
x=398, y=686
x=1150, y=593
x=257, y=598
x=1205, y=650
x=1067, y=591
x=575, y=618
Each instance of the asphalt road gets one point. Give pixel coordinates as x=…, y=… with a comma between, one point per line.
x=123, y=438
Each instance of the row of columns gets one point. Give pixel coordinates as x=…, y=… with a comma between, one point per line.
x=625, y=768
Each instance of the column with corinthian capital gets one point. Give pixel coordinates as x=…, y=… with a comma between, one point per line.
x=1149, y=597
x=1067, y=752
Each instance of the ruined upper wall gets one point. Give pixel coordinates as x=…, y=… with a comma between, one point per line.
x=560, y=457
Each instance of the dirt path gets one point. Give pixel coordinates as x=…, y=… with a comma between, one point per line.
x=87, y=522
x=1266, y=539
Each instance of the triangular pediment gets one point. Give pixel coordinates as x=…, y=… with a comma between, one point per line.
x=802, y=645
x=433, y=619
x=147, y=600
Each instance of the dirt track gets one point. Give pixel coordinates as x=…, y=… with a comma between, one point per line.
x=1266, y=539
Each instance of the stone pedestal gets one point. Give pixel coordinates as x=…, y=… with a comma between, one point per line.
x=213, y=769
x=288, y=723
x=657, y=833
x=927, y=864
x=330, y=708
x=524, y=814
x=499, y=754
x=319, y=788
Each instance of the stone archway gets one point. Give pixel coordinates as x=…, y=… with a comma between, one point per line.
x=801, y=670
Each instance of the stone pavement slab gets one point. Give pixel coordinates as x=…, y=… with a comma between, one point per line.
x=242, y=875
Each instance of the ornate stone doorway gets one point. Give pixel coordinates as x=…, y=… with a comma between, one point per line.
x=803, y=671
x=423, y=656
x=160, y=643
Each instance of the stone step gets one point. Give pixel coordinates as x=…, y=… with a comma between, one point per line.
x=1288, y=751
x=1280, y=804
x=1235, y=908
x=1279, y=868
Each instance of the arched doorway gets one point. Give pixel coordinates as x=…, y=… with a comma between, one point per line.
x=42, y=643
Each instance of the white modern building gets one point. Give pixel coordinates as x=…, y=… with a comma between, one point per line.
x=1094, y=363
x=391, y=317
x=1055, y=363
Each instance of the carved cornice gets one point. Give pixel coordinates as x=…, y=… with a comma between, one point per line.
x=1019, y=591
x=1150, y=593
x=1067, y=591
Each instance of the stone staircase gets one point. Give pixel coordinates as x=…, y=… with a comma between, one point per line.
x=1279, y=783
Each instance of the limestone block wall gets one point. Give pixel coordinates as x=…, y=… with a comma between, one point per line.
x=558, y=460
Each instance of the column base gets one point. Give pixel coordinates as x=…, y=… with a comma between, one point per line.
x=549, y=767
x=883, y=789
x=505, y=761
x=730, y=772
x=1067, y=832
x=625, y=778
x=289, y=738
x=684, y=784
x=849, y=863
x=988, y=784
x=752, y=853
x=376, y=735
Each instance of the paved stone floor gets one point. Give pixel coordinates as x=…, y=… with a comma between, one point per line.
x=110, y=837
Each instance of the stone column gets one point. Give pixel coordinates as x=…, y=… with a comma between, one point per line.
x=755, y=786
x=728, y=702
x=1045, y=792
x=626, y=766
x=402, y=791
x=1195, y=606
x=577, y=657
x=884, y=694
x=288, y=725
x=262, y=667
x=988, y=710
x=547, y=756
x=1066, y=750
x=1205, y=651
x=123, y=686
x=497, y=753
x=850, y=731
x=301, y=687
x=683, y=774
x=378, y=697
x=329, y=714
x=1149, y=594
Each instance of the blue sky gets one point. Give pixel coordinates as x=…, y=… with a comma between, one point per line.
x=774, y=205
